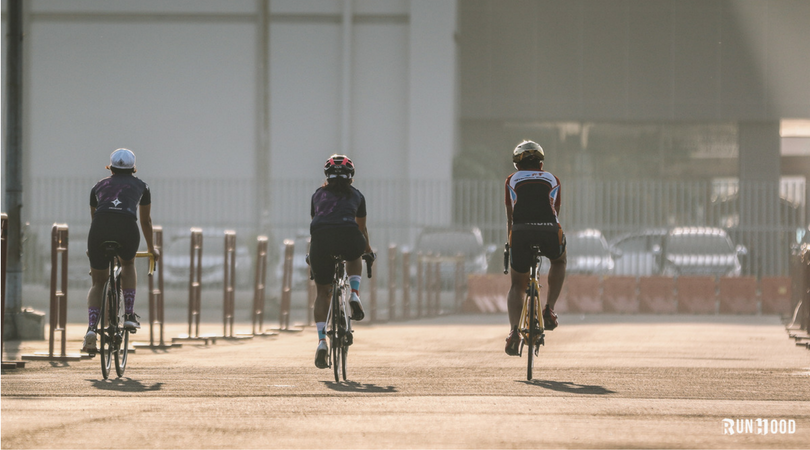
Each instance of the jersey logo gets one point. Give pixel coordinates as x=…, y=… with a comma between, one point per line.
x=116, y=202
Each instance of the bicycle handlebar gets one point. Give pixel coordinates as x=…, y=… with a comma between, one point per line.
x=151, y=260
x=369, y=258
x=506, y=258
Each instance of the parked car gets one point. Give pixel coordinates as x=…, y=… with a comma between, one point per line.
x=678, y=251
x=588, y=253
x=176, y=261
x=454, y=241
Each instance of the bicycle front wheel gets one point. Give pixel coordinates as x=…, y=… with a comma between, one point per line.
x=121, y=338
x=106, y=330
x=532, y=299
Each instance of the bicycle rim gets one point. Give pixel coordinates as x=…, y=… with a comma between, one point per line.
x=336, y=337
x=122, y=347
x=105, y=332
x=532, y=334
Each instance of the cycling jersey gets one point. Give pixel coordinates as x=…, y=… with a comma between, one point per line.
x=120, y=193
x=533, y=197
x=331, y=210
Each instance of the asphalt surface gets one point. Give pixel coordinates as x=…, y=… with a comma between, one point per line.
x=604, y=381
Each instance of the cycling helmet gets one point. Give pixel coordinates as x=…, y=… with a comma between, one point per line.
x=527, y=150
x=338, y=166
x=122, y=159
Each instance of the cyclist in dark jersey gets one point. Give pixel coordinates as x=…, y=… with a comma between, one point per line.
x=532, y=209
x=338, y=228
x=116, y=202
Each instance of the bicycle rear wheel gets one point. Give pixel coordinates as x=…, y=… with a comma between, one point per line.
x=532, y=299
x=106, y=330
x=121, y=337
x=344, y=348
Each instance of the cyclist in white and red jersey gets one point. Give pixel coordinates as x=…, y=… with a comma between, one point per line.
x=116, y=203
x=338, y=228
x=532, y=209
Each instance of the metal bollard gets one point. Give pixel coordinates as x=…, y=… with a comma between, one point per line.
x=392, y=282
x=419, y=284
x=406, y=284
x=156, y=305
x=228, y=282
x=286, y=286
x=459, y=286
x=58, y=303
x=195, y=288
x=259, y=286
x=437, y=288
x=372, y=287
x=312, y=292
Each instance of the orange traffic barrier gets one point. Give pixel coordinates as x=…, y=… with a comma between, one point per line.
x=776, y=295
x=583, y=293
x=657, y=295
x=696, y=294
x=738, y=295
x=58, y=307
x=619, y=295
x=486, y=293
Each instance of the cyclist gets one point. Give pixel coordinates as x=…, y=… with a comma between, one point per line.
x=116, y=202
x=532, y=210
x=338, y=227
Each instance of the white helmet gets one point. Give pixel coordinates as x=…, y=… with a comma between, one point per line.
x=527, y=150
x=122, y=159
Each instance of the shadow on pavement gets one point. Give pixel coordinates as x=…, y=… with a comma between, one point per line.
x=124, y=385
x=353, y=386
x=571, y=388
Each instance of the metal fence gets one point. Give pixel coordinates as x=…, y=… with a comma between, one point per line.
x=763, y=216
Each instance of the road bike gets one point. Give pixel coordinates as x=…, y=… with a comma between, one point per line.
x=531, y=326
x=113, y=336
x=339, y=320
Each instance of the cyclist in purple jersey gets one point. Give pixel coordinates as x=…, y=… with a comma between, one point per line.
x=116, y=203
x=338, y=228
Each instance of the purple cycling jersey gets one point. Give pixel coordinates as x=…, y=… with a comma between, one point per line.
x=331, y=210
x=120, y=194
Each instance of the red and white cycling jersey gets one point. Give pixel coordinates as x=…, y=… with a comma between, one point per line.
x=532, y=197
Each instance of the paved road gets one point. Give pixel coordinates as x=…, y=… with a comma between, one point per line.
x=602, y=381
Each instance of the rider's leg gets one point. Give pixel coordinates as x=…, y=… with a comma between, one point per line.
x=322, y=301
x=99, y=277
x=556, y=277
x=354, y=269
x=514, y=301
x=129, y=280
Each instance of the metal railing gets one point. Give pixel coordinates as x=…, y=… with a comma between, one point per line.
x=764, y=216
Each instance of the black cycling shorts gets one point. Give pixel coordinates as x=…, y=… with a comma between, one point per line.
x=121, y=228
x=550, y=240
x=326, y=243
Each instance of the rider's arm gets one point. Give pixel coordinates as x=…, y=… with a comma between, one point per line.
x=145, y=213
x=361, y=223
x=92, y=213
x=508, y=203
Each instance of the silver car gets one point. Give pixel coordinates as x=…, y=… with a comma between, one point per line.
x=588, y=253
x=678, y=251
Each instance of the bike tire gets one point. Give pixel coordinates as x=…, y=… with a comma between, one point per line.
x=105, y=331
x=122, y=346
x=532, y=331
x=336, y=337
